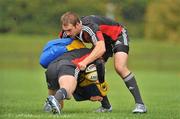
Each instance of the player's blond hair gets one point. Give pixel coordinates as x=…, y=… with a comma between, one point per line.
x=69, y=18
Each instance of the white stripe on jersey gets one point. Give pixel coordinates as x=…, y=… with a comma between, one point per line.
x=80, y=36
x=91, y=33
x=76, y=72
x=64, y=35
x=124, y=36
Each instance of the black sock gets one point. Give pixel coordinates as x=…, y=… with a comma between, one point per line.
x=133, y=88
x=105, y=102
x=100, y=70
x=61, y=94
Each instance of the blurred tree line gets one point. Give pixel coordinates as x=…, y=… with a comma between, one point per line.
x=144, y=18
x=163, y=20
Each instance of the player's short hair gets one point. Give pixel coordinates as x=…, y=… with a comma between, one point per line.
x=69, y=18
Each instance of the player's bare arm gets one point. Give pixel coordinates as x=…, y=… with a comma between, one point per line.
x=96, y=53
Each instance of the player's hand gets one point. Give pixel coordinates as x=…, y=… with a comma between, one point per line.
x=81, y=66
x=79, y=62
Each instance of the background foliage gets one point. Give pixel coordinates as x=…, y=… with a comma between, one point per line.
x=163, y=20
x=149, y=18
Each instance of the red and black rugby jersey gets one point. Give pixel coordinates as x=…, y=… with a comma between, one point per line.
x=97, y=27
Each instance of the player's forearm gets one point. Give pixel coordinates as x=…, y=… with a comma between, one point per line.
x=96, y=53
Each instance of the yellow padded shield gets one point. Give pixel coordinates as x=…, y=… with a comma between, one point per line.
x=76, y=44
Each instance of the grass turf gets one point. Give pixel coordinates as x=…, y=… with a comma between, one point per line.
x=23, y=93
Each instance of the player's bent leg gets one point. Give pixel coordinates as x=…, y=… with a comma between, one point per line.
x=67, y=86
x=68, y=83
x=120, y=62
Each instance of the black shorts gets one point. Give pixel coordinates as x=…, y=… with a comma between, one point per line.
x=120, y=45
x=63, y=66
x=56, y=70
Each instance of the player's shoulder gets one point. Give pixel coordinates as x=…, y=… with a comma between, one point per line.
x=89, y=22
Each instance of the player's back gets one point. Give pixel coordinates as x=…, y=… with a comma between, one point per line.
x=99, y=20
x=106, y=25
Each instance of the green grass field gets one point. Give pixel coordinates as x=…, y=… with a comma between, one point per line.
x=23, y=87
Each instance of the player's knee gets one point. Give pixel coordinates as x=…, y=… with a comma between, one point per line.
x=69, y=85
x=121, y=70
